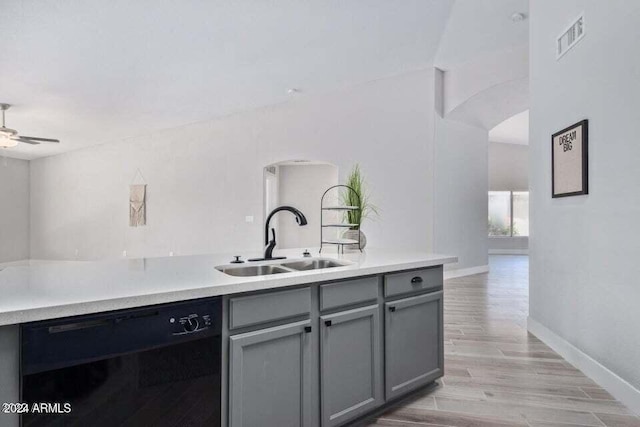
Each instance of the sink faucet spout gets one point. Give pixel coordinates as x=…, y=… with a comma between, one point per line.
x=271, y=244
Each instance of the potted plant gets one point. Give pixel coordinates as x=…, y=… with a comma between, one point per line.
x=360, y=199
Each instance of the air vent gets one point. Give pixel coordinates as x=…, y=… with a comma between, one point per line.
x=570, y=37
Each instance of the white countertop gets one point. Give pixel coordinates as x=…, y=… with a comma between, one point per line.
x=39, y=290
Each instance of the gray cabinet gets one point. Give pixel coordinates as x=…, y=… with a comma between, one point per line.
x=270, y=377
x=9, y=372
x=413, y=343
x=351, y=366
x=368, y=340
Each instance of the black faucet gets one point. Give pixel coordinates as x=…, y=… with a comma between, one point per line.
x=271, y=244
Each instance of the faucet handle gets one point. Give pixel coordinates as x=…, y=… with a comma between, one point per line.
x=237, y=260
x=306, y=253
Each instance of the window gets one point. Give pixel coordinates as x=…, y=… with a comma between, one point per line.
x=520, y=224
x=508, y=213
x=499, y=213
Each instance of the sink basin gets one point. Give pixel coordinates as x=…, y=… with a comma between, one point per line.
x=254, y=270
x=286, y=267
x=313, y=264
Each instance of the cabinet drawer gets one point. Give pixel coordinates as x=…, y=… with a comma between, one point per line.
x=263, y=308
x=412, y=281
x=349, y=292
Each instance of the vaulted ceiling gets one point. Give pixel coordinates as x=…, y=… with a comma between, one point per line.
x=92, y=71
x=514, y=130
x=478, y=28
x=484, y=51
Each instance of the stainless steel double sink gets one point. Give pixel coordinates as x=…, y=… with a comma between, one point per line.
x=284, y=267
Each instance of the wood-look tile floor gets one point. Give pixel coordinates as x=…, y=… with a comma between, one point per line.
x=497, y=374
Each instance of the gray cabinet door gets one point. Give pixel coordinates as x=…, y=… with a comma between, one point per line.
x=269, y=384
x=414, y=347
x=351, y=369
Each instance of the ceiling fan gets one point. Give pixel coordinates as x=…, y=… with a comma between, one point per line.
x=10, y=138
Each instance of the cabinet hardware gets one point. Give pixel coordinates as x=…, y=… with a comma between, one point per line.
x=416, y=279
x=392, y=309
x=327, y=322
x=307, y=329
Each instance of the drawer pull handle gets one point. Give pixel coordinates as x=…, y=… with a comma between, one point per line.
x=307, y=329
x=392, y=309
x=327, y=323
x=416, y=279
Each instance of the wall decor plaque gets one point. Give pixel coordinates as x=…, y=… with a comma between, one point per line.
x=137, y=205
x=570, y=161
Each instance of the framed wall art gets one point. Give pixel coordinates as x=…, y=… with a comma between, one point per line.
x=570, y=161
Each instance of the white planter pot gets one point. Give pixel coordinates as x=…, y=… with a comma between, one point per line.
x=353, y=234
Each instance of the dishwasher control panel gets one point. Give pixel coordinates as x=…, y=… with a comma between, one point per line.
x=191, y=323
x=54, y=343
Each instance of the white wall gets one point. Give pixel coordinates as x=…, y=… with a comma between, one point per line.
x=508, y=167
x=204, y=178
x=516, y=245
x=461, y=192
x=14, y=209
x=302, y=186
x=584, y=250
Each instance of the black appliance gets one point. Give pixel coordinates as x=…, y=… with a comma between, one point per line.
x=154, y=366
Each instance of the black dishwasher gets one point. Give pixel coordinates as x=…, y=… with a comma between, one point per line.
x=152, y=366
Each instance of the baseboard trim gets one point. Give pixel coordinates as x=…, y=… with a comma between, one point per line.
x=452, y=274
x=508, y=251
x=18, y=263
x=618, y=387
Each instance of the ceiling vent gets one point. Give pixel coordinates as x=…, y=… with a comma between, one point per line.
x=570, y=37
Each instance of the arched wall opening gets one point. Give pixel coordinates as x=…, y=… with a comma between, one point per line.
x=297, y=183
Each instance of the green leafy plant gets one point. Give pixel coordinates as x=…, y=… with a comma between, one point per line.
x=498, y=229
x=360, y=198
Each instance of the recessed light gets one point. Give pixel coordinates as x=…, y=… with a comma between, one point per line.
x=518, y=17
x=293, y=91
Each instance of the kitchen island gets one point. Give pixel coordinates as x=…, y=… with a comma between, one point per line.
x=340, y=342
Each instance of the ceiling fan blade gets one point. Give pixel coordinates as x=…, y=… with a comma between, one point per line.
x=35, y=140
x=26, y=141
